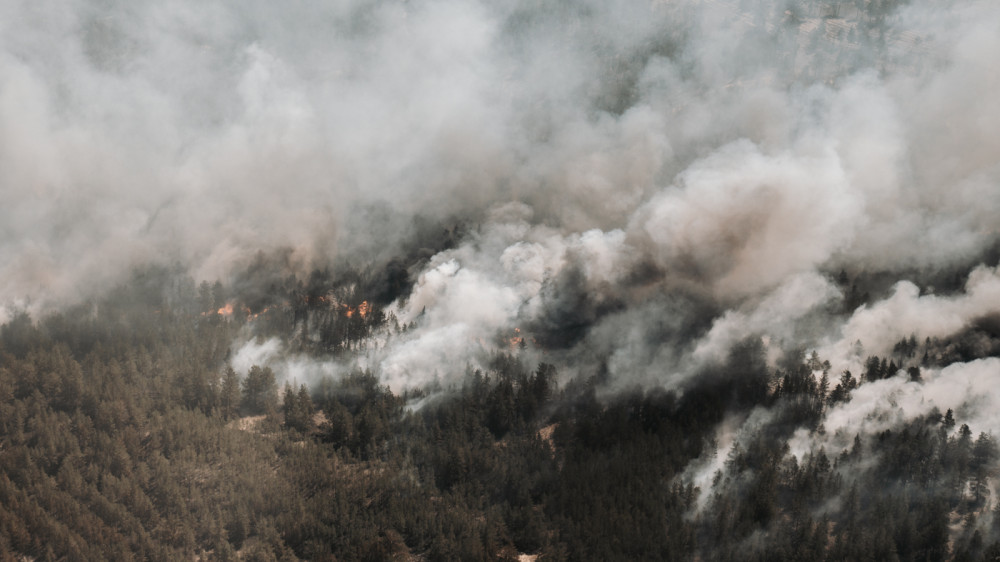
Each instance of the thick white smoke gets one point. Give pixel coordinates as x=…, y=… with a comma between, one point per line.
x=613, y=155
x=905, y=312
x=969, y=389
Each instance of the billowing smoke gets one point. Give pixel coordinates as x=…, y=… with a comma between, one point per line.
x=966, y=388
x=642, y=184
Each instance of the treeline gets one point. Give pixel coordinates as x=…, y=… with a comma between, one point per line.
x=892, y=496
x=124, y=434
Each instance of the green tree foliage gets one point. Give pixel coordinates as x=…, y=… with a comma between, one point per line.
x=297, y=407
x=120, y=440
x=260, y=393
x=842, y=392
x=229, y=394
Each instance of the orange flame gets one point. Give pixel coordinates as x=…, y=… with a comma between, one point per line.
x=363, y=309
x=226, y=310
x=251, y=316
x=517, y=339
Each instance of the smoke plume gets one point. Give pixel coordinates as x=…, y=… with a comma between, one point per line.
x=643, y=184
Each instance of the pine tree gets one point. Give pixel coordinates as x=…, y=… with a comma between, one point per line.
x=229, y=394
x=259, y=390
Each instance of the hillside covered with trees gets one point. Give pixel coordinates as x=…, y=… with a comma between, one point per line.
x=127, y=435
x=532, y=280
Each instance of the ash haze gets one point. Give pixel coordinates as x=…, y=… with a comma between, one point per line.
x=656, y=196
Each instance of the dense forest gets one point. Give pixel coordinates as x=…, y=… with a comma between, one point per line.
x=532, y=280
x=126, y=434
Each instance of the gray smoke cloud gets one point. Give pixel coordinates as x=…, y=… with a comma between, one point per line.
x=644, y=184
x=650, y=182
x=967, y=388
x=906, y=312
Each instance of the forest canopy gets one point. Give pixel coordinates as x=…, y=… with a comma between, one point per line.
x=128, y=434
x=469, y=280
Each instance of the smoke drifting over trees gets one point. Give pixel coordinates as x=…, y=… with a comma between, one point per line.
x=733, y=146
x=412, y=207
